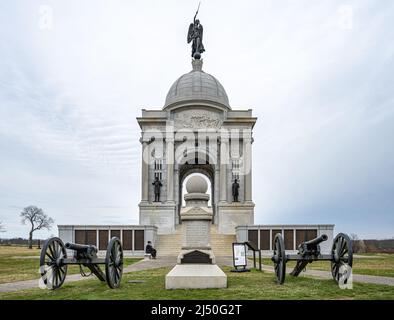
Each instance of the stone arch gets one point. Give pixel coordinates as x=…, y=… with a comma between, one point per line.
x=201, y=155
x=207, y=170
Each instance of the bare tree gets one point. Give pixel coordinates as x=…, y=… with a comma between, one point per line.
x=362, y=248
x=37, y=219
x=2, y=229
x=356, y=242
x=353, y=236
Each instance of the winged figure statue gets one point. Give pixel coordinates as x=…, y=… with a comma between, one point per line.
x=195, y=34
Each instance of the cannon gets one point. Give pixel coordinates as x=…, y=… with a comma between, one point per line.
x=341, y=257
x=54, y=262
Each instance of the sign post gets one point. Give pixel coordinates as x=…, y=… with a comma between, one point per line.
x=240, y=260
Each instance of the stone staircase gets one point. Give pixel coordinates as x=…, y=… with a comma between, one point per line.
x=222, y=244
x=170, y=244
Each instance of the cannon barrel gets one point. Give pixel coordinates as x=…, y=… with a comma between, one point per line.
x=81, y=247
x=317, y=240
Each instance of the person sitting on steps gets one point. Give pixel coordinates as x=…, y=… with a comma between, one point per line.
x=150, y=250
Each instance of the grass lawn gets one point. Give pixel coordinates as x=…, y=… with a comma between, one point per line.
x=252, y=285
x=370, y=264
x=20, y=263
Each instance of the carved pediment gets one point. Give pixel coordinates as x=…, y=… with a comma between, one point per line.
x=197, y=119
x=196, y=210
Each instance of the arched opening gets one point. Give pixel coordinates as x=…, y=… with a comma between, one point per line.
x=186, y=179
x=207, y=171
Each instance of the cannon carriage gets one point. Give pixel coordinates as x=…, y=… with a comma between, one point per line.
x=54, y=262
x=341, y=257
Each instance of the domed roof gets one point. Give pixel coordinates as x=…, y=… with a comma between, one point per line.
x=197, y=86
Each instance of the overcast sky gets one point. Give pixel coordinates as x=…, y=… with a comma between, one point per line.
x=74, y=75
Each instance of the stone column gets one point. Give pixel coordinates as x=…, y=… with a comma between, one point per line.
x=176, y=194
x=144, y=172
x=247, y=155
x=170, y=166
x=223, y=167
x=217, y=195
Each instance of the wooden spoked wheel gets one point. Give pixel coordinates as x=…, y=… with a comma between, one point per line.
x=53, y=271
x=114, y=263
x=279, y=258
x=342, y=258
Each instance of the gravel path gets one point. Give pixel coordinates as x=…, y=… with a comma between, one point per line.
x=148, y=264
x=33, y=284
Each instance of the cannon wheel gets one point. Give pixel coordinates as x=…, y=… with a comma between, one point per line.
x=342, y=256
x=53, y=271
x=114, y=263
x=279, y=258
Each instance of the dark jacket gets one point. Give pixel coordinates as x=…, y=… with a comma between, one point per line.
x=149, y=248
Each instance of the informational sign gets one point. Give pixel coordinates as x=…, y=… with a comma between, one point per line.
x=239, y=255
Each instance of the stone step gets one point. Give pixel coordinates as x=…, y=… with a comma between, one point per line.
x=170, y=244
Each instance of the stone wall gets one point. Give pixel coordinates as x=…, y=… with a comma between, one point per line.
x=231, y=215
x=160, y=215
x=67, y=234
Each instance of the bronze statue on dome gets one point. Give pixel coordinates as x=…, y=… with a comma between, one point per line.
x=195, y=34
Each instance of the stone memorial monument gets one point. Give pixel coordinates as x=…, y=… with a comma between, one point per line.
x=196, y=218
x=196, y=130
x=196, y=268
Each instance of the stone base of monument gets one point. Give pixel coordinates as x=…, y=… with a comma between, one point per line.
x=196, y=268
x=196, y=276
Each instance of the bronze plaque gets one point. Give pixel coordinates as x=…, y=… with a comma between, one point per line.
x=253, y=237
x=80, y=237
x=86, y=237
x=91, y=237
x=264, y=239
x=103, y=239
x=289, y=239
x=303, y=235
x=196, y=257
x=139, y=241
x=311, y=234
x=115, y=233
x=127, y=240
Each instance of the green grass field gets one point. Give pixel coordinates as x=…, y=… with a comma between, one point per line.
x=368, y=264
x=252, y=285
x=19, y=263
